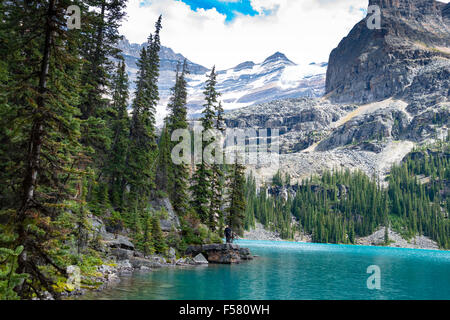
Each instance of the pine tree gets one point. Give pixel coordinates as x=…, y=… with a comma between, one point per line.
x=202, y=178
x=216, y=217
x=164, y=176
x=237, y=201
x=99, y=38
x=159, y=243
x=178, y=120
x=116, y=164
x=141, y=158
x=42, y=98
x=386, y=232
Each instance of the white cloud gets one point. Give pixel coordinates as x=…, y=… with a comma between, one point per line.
x=305, y=30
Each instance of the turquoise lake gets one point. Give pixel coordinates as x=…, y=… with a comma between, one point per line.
x=292, y=271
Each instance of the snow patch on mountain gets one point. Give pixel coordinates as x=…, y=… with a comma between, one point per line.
x=246, y=84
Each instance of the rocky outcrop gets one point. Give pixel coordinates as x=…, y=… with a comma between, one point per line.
x=171, y=221
x=200, y=259
x=374, y=127
x=396, y=240
x=220, y=253
x=301, y=122
x=408, y=56
x=261, y=233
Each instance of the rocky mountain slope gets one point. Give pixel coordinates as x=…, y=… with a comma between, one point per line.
x=248, y=83
x=407, y=58
x=245, y=84
x=387, y=91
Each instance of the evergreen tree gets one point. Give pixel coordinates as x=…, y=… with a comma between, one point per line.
x=42, y=100
x=179, y=175
x=237, y=201
x=202, y=178
x=159, y=243
x=116, y=164
x=386, y=232
x=164, y=173
x=143, y=149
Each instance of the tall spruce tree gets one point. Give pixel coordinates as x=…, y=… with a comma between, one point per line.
x=142, y=153
x=179, y=175
x=202, y=177
x=120, y=127
x=164, y=173
x=216, y=216
x=42, y=98
x=98, y=45
x=236, y=201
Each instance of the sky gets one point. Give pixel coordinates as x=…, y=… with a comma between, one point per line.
x=227, y=32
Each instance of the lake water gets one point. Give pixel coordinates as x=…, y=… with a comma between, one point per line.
x=291, y=271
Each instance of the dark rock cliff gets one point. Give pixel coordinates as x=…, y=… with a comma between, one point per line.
x=407, y=57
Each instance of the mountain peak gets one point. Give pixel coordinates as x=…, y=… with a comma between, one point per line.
x=277, y=56
x=244, y=65
x=410, y=28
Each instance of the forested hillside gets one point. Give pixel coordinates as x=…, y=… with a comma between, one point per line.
x=341, y=205
x=72, y=148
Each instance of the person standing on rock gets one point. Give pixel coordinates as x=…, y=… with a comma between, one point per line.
x=228, y=234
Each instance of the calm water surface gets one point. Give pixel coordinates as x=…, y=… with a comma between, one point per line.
x=290, y=271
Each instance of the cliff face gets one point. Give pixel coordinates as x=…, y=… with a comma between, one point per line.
x=412, y=48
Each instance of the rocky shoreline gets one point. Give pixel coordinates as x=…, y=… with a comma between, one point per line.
x=123, y=259
x=127, y=260
x=375, y=239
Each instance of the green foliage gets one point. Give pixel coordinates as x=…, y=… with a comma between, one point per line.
x=277, y=179
x=236, y=200
x=9, y=279
x=208, y=180
x=340, y=205
x=177, y=175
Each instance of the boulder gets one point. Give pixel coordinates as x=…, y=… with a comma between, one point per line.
x=124, y=266
x=220, y=253
x=97, y=225
x=172, y=254
x=200, y=259
x=138, y=263
x=245, y=254
x=156, y=258
x=120, y=242
x=122, y=254
x=144, y=268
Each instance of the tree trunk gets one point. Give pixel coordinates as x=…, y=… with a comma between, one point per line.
x=34, y=146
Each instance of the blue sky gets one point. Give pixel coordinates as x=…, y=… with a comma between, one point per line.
x=228, y=8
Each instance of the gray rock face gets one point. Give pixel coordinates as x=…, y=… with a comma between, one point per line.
x=120, y=241
x=408, y=56
x=372, y=127
x=301, y=122
x=172, y=220
x=122, y=254
x=138, y=263
x=387, y=90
